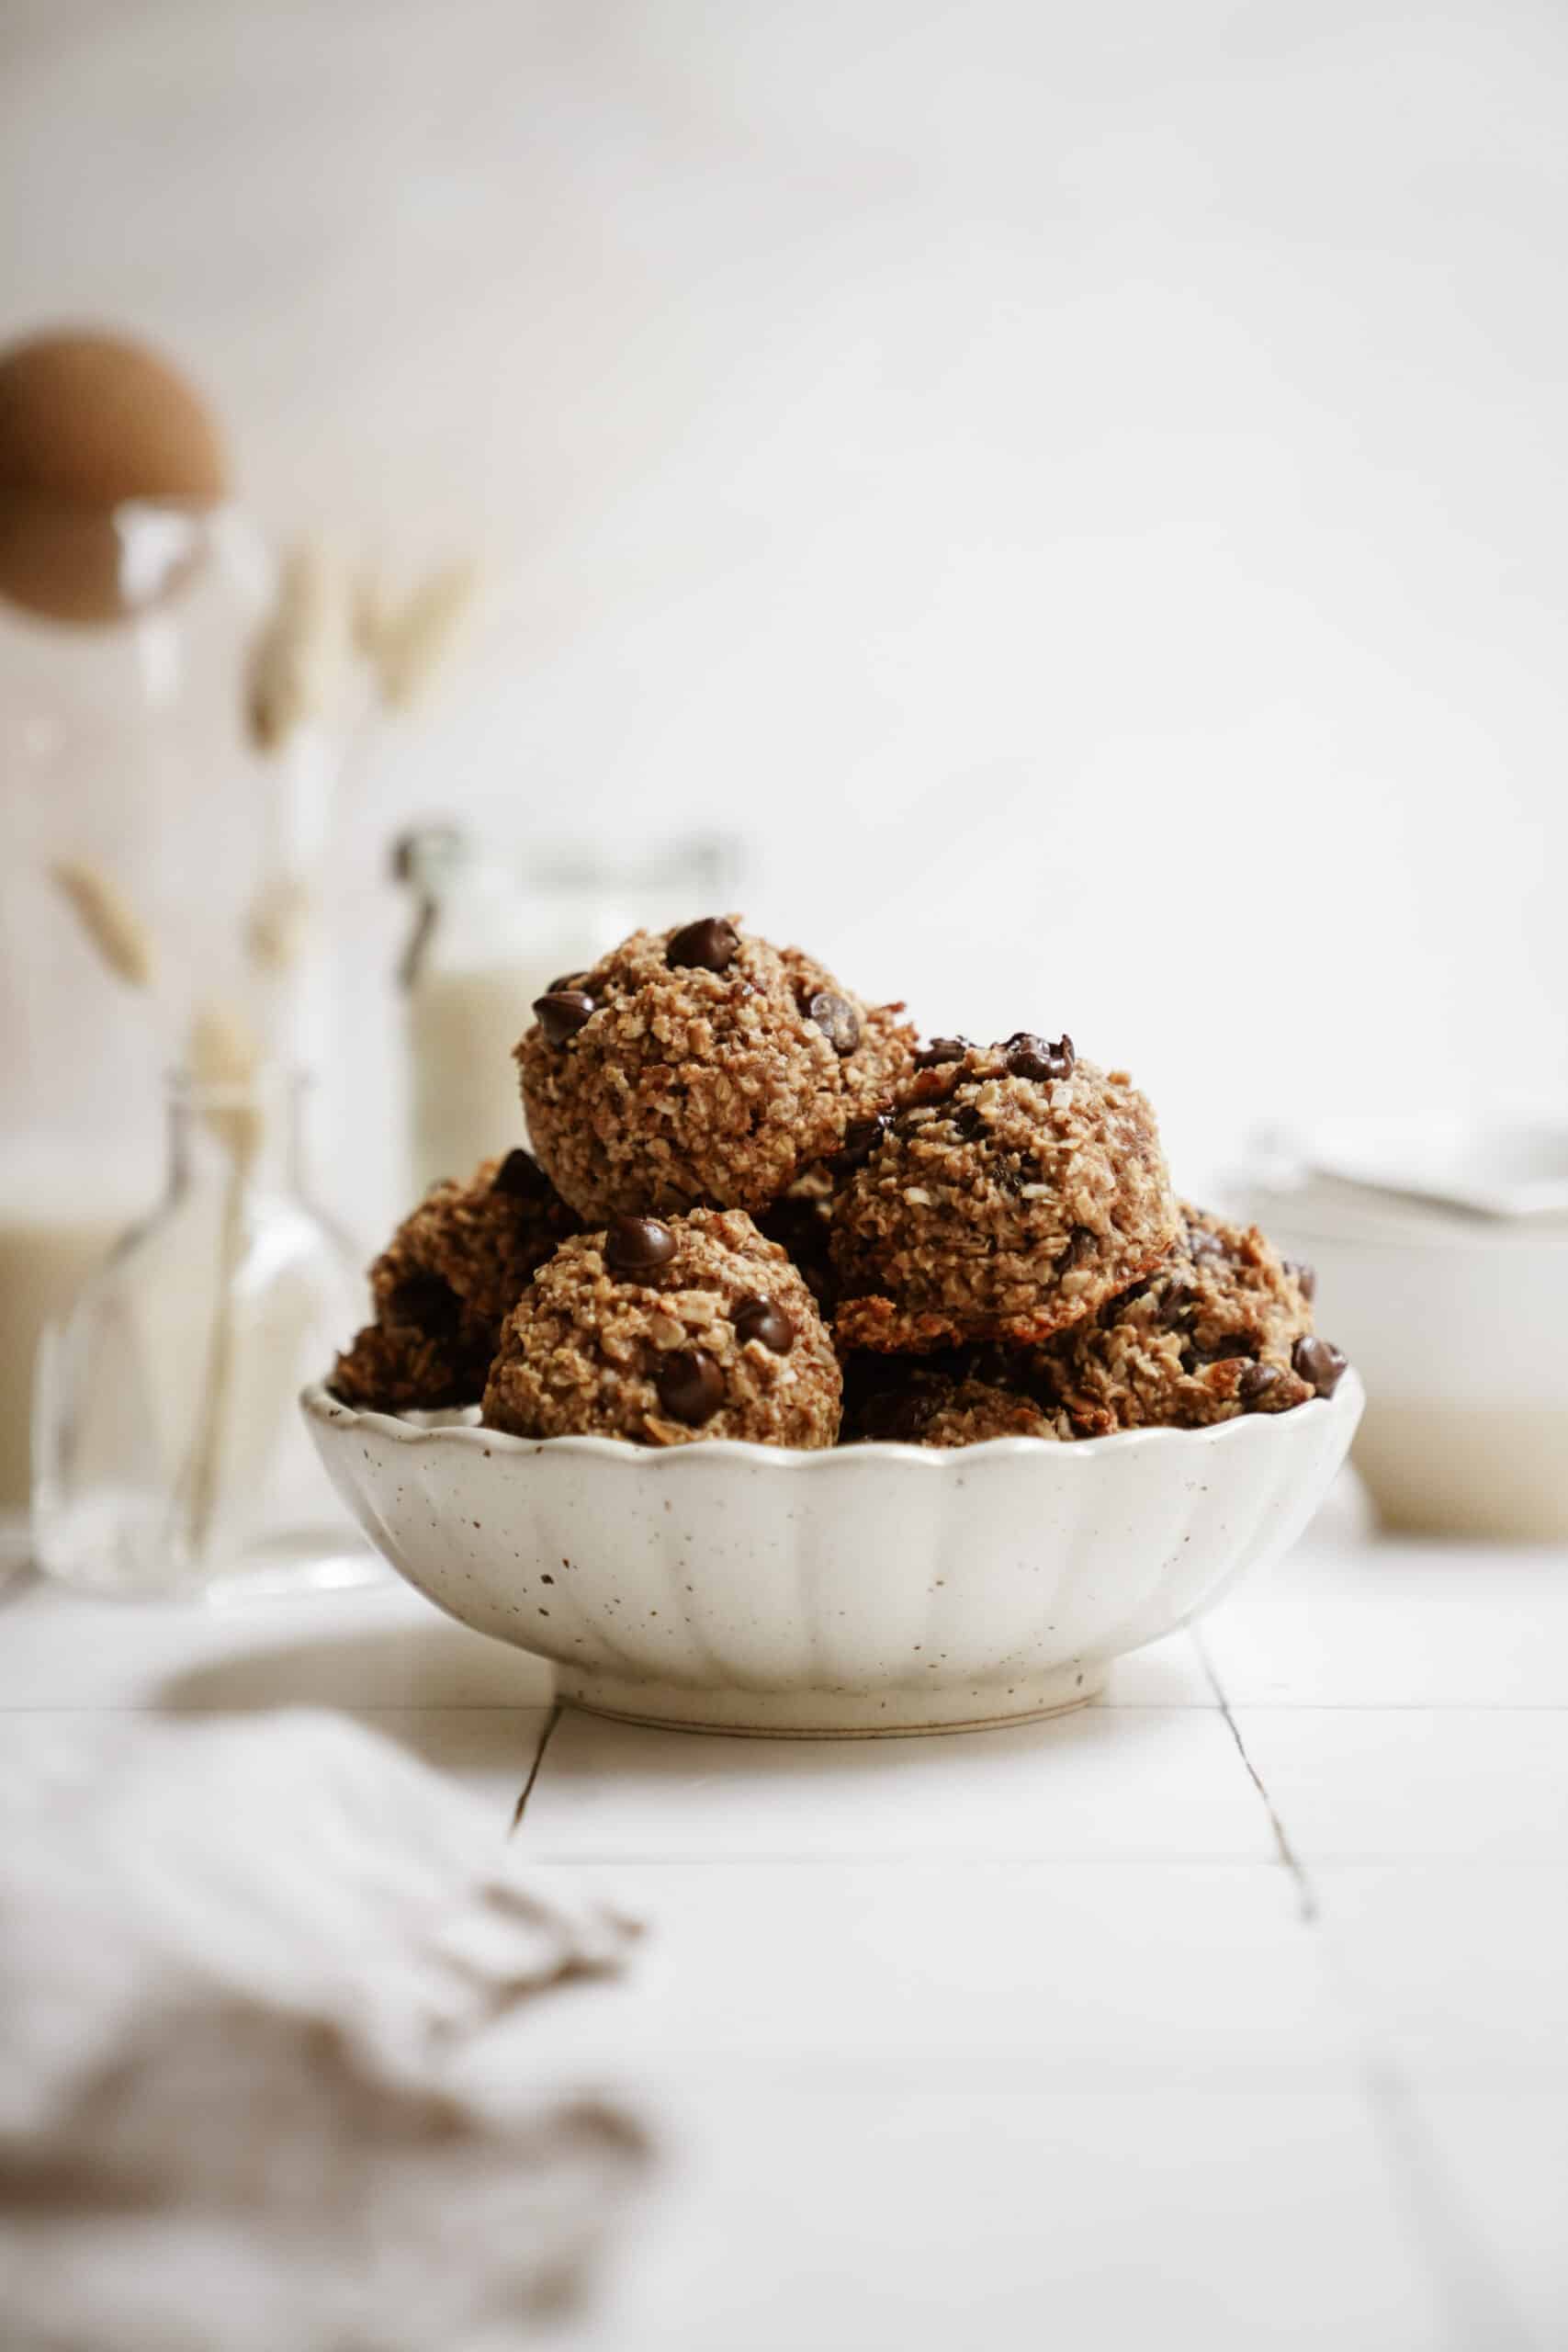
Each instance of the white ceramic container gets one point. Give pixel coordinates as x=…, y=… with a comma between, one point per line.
x=877, y=1588
x=1456, y=1321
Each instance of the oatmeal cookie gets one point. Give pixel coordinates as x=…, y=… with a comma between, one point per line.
x=943, y=1400
x=1011, y=1192
x=444, y=1285
x=668, y=1333
x=700, y=1066
x=1223, y=1327
x=397, y=1368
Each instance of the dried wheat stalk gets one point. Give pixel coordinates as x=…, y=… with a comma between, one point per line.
x=225, y=1056
x=109, y=921
x=279, y=923
x=375, y=611
x=408, y=646
x=301, y=658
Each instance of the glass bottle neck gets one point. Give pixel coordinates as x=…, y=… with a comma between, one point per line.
x=247, y=1132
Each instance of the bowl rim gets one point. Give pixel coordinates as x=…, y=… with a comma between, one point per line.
x=320, y=1404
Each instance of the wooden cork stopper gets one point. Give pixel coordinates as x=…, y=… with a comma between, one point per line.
x=89, y=422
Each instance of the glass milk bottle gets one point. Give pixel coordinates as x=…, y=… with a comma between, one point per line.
x=169, y=1451
x=493, y=930
x=485, y=943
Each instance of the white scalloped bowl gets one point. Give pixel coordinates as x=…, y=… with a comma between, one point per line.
x=877, y=1589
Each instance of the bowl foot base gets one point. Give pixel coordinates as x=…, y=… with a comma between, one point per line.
x=901, y=1713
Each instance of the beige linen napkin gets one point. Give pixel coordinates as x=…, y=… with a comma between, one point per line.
x=239, y=1962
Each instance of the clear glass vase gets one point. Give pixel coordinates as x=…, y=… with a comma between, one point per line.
x=169, y=1451
x=130, y=750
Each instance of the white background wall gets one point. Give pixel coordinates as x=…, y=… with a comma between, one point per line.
x=1086, y=488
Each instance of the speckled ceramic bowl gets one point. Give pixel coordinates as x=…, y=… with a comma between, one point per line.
x=877, y=1589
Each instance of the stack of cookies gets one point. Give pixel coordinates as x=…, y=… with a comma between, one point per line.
x=761, y=1209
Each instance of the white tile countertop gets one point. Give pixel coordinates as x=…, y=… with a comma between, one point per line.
x=1230, y=2011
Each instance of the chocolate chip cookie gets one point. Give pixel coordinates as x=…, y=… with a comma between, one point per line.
x=943, y=1400
x=1011, y=1192
x=444, y=1285
x=664, y=1331
x=700, y=1066
x=1223, y=1327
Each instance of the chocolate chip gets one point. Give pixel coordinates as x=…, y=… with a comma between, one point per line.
x=567, y=980
x=1255, y=1381
x=706, y=946
x=691, y=1386
x=836, y=1019
x=1305, y=1276
x=1017, y=1169
x=521, y=1178
x=427, y=1303
x=1082, y=1245
x=967, y=1123
x=860, y=1139
x=637, y=1245
x=940, y=1051
x=1031, y=1057
x=562, y=1013
x=759, y=1319
x=1319, y=1363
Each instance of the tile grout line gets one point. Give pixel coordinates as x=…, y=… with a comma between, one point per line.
x=544, y=1737
x=1306, y=1894
x=1474, y=2287
x=1472, y=2292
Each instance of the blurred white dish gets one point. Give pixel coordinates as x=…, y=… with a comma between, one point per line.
x=876, y=1588
x=1518, y=1169
x=1457, y=1318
